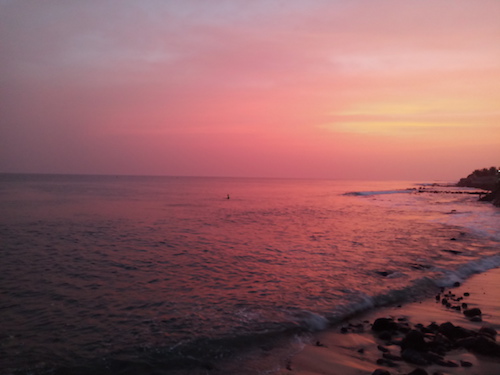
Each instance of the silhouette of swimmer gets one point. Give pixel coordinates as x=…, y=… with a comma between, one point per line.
x=228, y=196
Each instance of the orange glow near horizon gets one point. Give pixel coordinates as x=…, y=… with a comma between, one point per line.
x=325, y=89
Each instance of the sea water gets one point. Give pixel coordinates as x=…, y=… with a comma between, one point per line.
x=140, y=275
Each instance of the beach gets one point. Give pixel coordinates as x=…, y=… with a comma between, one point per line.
x=353, y=348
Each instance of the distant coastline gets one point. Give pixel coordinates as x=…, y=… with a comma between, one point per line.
x=486, y=179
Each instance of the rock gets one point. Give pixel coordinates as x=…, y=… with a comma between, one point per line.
x=384, y=324
x=454, y=332
x=418, y=371
x=414, y=356
x=455, y=252
x=380, y=371
x=447, y=363
x=465, y=364
x=469, y=313
x=414, y=340
x=481, y=345
x=456, y=284
x=382, y=349
x=392, y=357
x=383, y=273
x=433, y=327
x=385, y=335
x=386, y=362
x=488, y=331
x=441, y=344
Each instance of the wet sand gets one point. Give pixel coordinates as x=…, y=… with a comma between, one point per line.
x=356, y=351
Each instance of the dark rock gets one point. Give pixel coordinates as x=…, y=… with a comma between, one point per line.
x=396, y=342
x=433, y=327
x=361, y=350
x=441, y=344
x=481, y=345
x=414, y=340
x=447, y=363
x=454, y=332
x=385, y=335
x=404, y=327
x=383, y=273
x=455, y=252
x=488, y=331
x=466, y=294
x=380, y=371
x=414, y=356
x=418, y=371
x=382, y=349
x=392, y=357
x=384, y=324
x=433, y=357
x=386, y=362
x=456, y=284
x=472, y=312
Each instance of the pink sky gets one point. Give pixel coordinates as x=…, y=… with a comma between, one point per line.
x=364, y=89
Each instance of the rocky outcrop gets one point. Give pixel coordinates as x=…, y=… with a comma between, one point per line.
x=486, y=179
x=493, y=196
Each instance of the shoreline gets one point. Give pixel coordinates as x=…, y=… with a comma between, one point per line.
x=353, y=348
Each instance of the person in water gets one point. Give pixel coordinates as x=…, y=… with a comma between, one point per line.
x=228, y=196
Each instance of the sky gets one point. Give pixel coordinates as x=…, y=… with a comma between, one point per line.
x=334, y=89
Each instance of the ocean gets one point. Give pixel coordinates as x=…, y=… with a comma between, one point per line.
x=187, y=275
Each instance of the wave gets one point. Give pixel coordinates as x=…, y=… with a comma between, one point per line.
x=381, y=192
x=304, y=322
x=419, y=288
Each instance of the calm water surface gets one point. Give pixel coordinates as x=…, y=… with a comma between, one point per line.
x=165, y=273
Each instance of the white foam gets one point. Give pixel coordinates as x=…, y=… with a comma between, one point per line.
x=460, y=210
x=466, y=270
x=310, y=320
x=381, y=192
x=481, y=218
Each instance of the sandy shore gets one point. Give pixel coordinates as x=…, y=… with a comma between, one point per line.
x=356, y=351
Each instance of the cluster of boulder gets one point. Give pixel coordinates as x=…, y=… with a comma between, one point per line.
x=422, y=345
